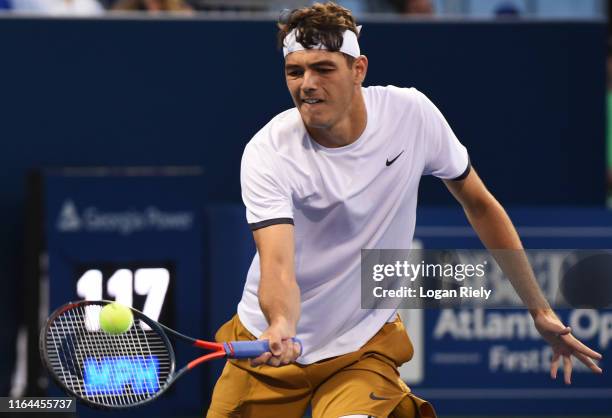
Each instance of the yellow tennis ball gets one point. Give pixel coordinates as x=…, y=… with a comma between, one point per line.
x=116, y=318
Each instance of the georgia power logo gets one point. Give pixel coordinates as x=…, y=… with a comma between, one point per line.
x=68, y=219
x=125, y=222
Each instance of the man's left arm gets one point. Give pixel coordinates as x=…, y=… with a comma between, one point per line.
x=496, y=231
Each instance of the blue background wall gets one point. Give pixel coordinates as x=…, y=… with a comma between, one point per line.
x=527, y=99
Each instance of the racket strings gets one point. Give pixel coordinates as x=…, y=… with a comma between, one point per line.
x=108, y=370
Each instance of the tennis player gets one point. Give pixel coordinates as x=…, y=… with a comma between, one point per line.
x=338, y=173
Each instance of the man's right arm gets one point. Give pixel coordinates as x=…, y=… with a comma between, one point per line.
x=279, y=294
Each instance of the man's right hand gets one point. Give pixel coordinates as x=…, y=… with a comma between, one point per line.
x=282, y=350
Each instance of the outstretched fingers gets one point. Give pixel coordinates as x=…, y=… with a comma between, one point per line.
x=554, y=365
x=578, y=347
x=587, y=361
x=567, y=369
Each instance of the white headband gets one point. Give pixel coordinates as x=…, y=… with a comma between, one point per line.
x=350, y=46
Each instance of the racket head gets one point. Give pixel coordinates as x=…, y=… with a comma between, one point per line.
x=101, y=370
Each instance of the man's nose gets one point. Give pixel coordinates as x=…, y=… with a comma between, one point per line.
x=309, y=83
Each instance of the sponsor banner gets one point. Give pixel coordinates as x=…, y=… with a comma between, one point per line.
x=136, y=239
x=126, y=222
x=474, y=360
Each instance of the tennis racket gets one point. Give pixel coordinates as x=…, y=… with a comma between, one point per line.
x=107, y=371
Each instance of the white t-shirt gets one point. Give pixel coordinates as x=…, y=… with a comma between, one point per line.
x=342, y=200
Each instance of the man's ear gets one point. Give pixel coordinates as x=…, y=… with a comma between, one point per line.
x=361, y=68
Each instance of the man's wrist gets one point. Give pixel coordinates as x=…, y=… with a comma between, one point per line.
x=540, y=311
x=283, y=323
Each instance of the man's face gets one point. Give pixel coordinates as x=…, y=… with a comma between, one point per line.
x=322, y=86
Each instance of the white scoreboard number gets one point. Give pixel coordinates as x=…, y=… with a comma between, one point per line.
x=123, y=284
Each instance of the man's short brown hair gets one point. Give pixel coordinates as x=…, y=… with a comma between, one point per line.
x=318, y=24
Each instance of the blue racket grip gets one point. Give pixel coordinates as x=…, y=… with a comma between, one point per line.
x=250, y=349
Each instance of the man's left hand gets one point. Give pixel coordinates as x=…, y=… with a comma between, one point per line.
x=564, y=345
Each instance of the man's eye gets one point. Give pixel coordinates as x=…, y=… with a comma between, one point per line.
x=325, y=70
x=294, y=73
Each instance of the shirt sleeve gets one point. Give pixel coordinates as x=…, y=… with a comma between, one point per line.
x=266, y=196
x=446, y=157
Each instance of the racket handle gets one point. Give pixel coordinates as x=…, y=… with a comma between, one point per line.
x=250, y=349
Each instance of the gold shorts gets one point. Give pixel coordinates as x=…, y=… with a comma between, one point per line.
x=365, y=382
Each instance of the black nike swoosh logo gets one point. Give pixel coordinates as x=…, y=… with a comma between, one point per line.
x=393, y=160
x=377, y=398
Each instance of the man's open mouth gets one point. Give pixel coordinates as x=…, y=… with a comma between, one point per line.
x=312, y=101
